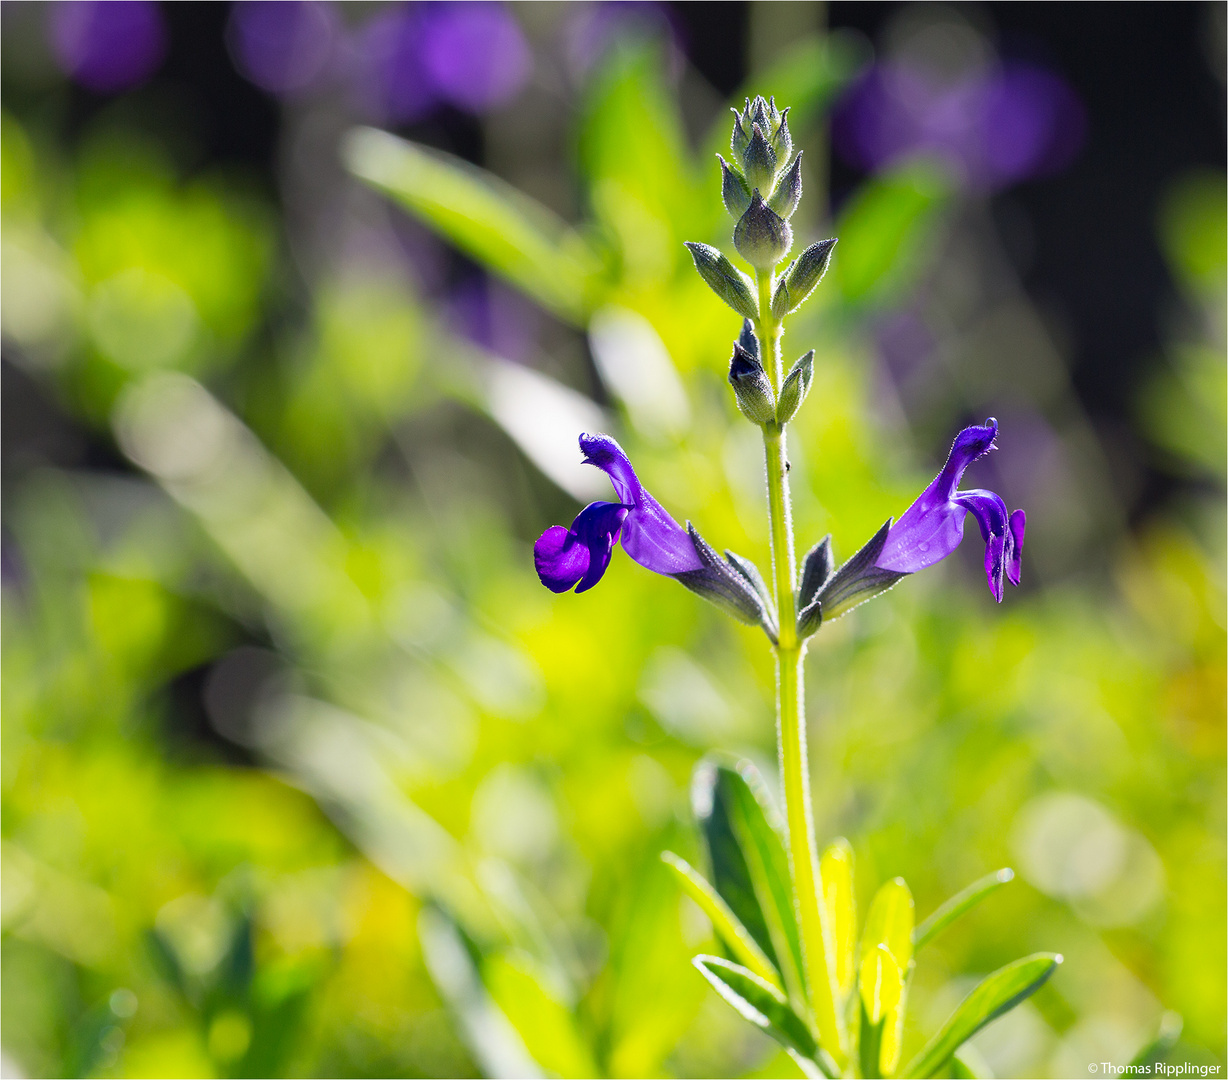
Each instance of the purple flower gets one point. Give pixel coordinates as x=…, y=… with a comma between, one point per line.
x=933, y=526
x=928, y=532
x=107, y=47
x=578, y=557
x=649, y=535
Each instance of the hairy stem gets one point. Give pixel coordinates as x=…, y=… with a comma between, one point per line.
x=790, y=709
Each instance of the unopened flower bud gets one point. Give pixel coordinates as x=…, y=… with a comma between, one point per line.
x=761, y=114
x=762, y=236
x=759, y=161
x=734, y=189
x=795, y=388
x=751, y=387
x=803, y=275
x=724, y=279
x=781, y=301
x=748, y=341
x=782, y=141
x=740, y=139
x=788, y=191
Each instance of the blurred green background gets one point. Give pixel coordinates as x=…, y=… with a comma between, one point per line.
x=303, y=771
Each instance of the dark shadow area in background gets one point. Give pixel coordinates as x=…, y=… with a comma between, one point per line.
x=1092, y=261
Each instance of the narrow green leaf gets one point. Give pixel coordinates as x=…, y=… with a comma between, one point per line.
x=881, y=986
x=538, y=1010
x=764, y=849
x=889, y=922
x=632, y=147
x=726, y=923
x=714, y=802
x=998, y=993
x=765, y=1007
x=749, y=866
x=486, y=218
x=959, y=904
x=968, y=1063
x=868, y=1043
x=836, y=871
x=497, y=1047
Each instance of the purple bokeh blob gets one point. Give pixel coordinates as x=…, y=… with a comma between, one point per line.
x=388, y=69
x=410, y=59
x=591, y=31
x=474, y=54
x=282, y=45
x=995, y=127
x=493, y=316
x=108, y=45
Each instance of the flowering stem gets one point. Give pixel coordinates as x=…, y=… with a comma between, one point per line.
x=790, y=714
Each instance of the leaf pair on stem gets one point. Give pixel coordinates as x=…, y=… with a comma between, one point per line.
x=749, y=899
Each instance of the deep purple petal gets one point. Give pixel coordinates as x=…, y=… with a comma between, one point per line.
x=1014, y=564
x=649, y=535
x=990, y=513
x=988, y=509
x=927, y=532
x=995, y=560
x=597, y=527
x=581, y=554
x=611, y=459
x=560, y=558
x=969, y=445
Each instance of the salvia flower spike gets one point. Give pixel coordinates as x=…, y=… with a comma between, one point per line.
x=772, y=122
x=807, y=1008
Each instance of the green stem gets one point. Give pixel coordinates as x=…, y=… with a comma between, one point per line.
x=790, y=710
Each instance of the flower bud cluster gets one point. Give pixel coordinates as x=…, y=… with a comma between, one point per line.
x=762, y=186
